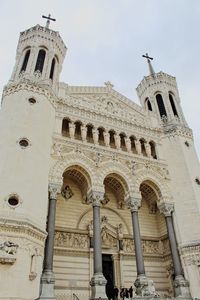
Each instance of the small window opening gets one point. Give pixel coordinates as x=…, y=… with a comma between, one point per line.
x=32, y=100
x=89, y=136
x=40, y=61
x=25, y=62
x=197, y=180
x=148, y=103
x=143, y=149
x=77, y=134
x=173, y=105
x=65, y=127
x=52, y=68
x=13, y=201
x=101, y=136
x=161, y=105
x=153, y=149
x=133, y=147
x=187, y=144
x=123, y=144
x=23, y=143
x=112, y=139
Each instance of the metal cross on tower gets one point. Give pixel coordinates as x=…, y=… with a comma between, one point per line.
x=151, y=70
x=48, y=20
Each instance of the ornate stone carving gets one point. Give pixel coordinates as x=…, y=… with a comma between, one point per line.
x=145, y=287
x=166, y=209
x=71, y=240
x=133, y=203
x=8, y=252
x=54, y=190
x=95, y=197
x=67, y=192
x=108, y=241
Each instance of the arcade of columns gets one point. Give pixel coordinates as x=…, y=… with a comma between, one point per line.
x=144, y=289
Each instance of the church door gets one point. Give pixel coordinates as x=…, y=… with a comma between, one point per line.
x=108, y=274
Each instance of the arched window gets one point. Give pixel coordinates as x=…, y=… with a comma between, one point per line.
x=153, y=149
x=161, y=105
x=40, y=60
x=89, y=136
x=25, y=62
x=52, y=68
x=101, y=136
x=143, y=149
x=148, y=103
x=112, y=139
x=123, y=144
x=65, y=127
x=77, y=134
x=133, y=147
x=173, y=105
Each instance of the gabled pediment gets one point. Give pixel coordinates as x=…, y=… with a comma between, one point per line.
x=103, y=101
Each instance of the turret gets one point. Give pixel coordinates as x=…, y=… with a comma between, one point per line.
x=27, y=122
x=39, y=58
x=158, y=93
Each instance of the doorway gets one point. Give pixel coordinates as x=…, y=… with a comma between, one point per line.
x=107, y=263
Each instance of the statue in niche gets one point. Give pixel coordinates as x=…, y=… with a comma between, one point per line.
x=67, y=192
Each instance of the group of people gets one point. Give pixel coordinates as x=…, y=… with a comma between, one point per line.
x=124, y=293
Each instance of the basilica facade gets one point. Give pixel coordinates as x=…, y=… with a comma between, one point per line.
x=97, y=192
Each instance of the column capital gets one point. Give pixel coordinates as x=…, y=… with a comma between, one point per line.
x=166, y=209
x=54, y=190
x=133, y=202
x=95, y=197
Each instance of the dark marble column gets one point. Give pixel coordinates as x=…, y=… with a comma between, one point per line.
x=47, y=279
x=98, y=281
x=181, y=285
x=144, y=286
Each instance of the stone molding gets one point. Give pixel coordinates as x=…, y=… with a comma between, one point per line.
x=54, y=190
x=95, y=197
x=166, y=209
x=191, y=253
x=133, y=203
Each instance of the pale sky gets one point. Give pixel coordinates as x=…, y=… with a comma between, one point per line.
x=106, y=40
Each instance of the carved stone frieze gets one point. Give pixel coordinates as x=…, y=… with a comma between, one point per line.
x=148, y=246
x=8, y=251
x=71, y=240
x=191, y=254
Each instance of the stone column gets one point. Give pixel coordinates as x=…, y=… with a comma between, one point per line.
x=95, y=134
x=138, y=147
x=47, y=279
x=181, y=286
x=117, y=141
x=106, y=136
x=71, y=130
x=144, y=286
x=98, y=281
x=83, y=133
x=128, y=144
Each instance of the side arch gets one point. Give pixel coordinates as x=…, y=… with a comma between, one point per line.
x=117, y=168
x=158, y=183
x=72, y=159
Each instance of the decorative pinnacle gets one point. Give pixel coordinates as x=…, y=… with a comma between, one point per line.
x=151, y=70
x=48, y=20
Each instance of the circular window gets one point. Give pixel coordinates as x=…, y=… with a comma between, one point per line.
x=13, y=201
x=32, y=100
x=23, y=143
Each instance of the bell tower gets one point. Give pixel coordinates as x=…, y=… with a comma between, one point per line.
x=158, y=93
x=27, y=122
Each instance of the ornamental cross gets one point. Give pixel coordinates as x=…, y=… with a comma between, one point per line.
x=151, y=70
x=147, y=57
x=48, y=20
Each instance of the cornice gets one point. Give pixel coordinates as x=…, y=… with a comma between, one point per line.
x=21, y=227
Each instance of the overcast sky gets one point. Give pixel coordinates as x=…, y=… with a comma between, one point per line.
x=106, y=40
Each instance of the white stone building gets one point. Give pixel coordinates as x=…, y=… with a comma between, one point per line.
x=116, y=182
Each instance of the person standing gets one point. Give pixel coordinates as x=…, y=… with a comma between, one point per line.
x=131, y=292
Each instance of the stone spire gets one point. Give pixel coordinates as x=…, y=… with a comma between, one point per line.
x=151, y=70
